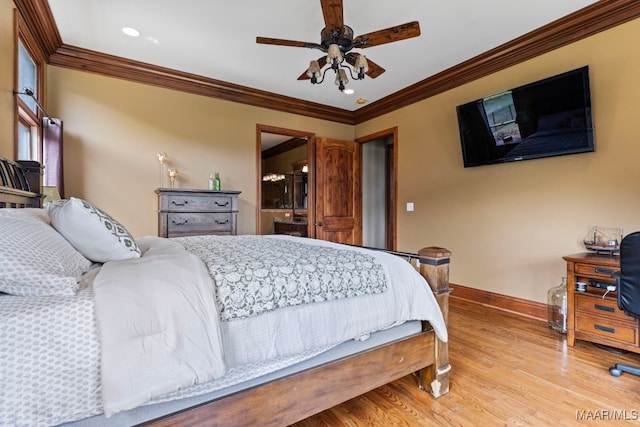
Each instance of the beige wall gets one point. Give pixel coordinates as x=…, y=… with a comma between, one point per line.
x=6, y=78
x=509, y=225
x=113, y=130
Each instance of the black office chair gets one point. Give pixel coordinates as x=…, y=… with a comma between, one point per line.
x=628, y=288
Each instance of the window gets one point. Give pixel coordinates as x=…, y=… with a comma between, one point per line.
x=501, y=117
x=29, y=75
x=27, y=142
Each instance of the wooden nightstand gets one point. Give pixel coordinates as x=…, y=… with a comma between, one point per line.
x=593, y=315
x=189, y=212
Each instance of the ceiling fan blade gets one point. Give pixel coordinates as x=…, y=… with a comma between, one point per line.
x=322, y=61
x=283, y=42
x=374, y=69
x=333, y=17
x=393, y=34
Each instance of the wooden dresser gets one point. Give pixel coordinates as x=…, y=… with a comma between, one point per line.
x=189, y=212
x=593, y=314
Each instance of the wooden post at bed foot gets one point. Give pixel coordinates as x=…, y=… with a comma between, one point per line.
x=434, y=266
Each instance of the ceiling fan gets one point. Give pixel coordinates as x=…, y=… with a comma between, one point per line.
x=337, y=41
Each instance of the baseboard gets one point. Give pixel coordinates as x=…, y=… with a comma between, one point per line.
x=521, y=306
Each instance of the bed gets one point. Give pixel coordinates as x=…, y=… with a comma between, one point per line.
x=566, y=131
x=233, y=379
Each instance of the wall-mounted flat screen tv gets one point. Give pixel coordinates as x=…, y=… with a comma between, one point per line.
x=550, y=117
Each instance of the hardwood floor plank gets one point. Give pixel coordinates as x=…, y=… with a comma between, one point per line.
x=506, y=370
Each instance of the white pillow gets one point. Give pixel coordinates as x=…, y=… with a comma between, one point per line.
x=34, y=258
x=92, y=231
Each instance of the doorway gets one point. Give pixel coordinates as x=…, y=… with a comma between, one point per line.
x=378, y=221
x=379, y=162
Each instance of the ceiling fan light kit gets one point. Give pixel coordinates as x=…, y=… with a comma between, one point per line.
x=337, y=41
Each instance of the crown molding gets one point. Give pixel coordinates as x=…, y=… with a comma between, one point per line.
x=39, y=19
x=586, y=22
x=113, y=66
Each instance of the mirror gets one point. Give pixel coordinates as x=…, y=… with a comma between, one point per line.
x=284, y=152
x=284, y=184
x=277, y=190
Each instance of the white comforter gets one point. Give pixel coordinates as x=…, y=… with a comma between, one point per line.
x=160, y=329
x=158, y=324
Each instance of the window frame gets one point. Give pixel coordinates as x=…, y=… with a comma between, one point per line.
x=23, y=114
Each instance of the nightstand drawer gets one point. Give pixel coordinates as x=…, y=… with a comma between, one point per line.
x=183, y=224
x=191, y=203
x=593, y=304
x=605, y=328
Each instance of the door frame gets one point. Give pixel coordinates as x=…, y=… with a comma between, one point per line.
x=392, y=196
x=311, y=144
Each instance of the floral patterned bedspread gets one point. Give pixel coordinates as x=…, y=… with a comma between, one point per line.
x=254, y=274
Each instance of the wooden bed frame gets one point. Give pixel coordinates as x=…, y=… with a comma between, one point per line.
x=293, y=398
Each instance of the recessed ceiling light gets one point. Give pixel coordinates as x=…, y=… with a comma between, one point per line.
x=132, y=32
x=349, y=91
x=361, y=101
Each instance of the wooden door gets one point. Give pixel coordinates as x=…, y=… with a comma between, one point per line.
x=338, y=198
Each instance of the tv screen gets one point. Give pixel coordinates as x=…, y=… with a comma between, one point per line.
x=550, y=117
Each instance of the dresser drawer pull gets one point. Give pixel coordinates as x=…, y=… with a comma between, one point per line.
x=183, y=222
x=606, y=271
x=174, y=203
x=604, y=328
x=222, y=205
x=604, y=308
x=226, y=221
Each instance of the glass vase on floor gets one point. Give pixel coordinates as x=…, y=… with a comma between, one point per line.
x=557, y=307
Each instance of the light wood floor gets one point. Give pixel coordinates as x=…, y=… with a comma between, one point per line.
x=506, y=370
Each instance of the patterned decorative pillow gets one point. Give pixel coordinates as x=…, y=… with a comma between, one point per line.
x=35, y=259
x=92, y=231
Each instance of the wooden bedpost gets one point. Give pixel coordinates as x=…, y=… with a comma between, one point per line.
x=434, y=266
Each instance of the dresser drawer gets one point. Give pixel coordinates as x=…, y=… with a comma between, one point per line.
x=595, y=272
x=606, y=328
x=185, y=224
x=594, y=305
x=189, y=212
x=192, y=203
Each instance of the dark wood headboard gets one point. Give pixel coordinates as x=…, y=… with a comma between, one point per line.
x=20, y=184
